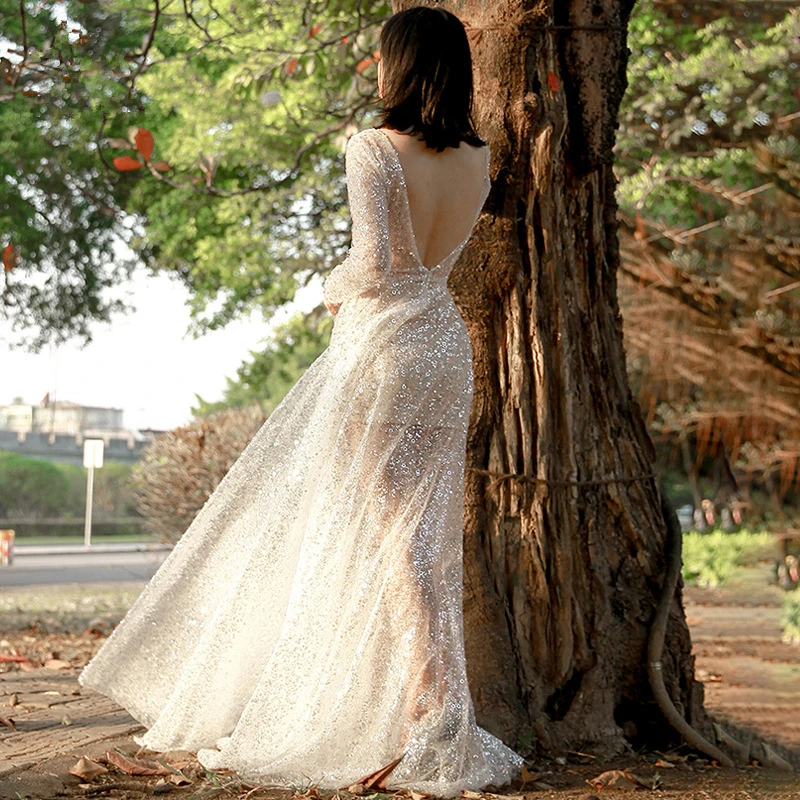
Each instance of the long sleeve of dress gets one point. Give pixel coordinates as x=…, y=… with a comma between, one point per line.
x=367, y=263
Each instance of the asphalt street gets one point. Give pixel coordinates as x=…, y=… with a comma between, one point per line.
x=81, y=566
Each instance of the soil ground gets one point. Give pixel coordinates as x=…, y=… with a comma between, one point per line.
x=47, y=721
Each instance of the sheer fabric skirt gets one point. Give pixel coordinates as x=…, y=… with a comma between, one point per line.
x=307, y=628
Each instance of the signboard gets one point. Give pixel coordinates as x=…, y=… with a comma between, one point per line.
x=93, y=453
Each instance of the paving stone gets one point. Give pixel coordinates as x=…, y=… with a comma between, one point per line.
x=39, y=714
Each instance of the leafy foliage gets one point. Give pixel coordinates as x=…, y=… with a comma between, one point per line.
x=182, y=467
x=35, y=487
x=248, y=107
x=30, y=487
x=253, y=106
x=790, y=618
x=60, y=220
x=709, y=162
x=267, y=376
x=710, y=559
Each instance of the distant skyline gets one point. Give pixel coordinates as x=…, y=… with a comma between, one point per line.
x=142, y=362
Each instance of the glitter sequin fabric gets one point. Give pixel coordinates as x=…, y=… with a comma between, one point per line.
x=307, y=628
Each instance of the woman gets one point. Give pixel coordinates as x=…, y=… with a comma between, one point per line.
x=308, y=624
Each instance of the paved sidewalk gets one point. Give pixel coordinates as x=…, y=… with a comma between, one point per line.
x=57, y=721
x=67, y=720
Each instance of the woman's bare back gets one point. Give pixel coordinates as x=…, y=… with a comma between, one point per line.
x=444, y=190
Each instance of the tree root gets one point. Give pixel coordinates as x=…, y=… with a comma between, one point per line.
x=655, y=641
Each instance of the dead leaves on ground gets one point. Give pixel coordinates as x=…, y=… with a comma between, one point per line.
x=170, y=775
x=33, y=648
x=375, y=780
x=621, y=779
x=87, y=769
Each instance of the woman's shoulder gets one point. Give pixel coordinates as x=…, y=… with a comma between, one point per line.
x=363, y=136
x=363, y=143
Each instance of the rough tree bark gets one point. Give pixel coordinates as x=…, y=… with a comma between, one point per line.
x=564, y=539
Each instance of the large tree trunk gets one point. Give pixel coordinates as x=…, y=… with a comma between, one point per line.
x=564, y=537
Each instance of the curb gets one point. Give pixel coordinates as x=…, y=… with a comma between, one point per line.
x=81, y=549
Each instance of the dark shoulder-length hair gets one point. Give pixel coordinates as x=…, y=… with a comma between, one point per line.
x=427, y=77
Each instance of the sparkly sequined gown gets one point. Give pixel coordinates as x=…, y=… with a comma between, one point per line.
x=307, y=628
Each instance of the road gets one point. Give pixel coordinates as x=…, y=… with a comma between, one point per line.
x=78, y=565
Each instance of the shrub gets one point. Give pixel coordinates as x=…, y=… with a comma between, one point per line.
x=709, y=559
x=30, y=487
x=790, y=619
x=181, y=468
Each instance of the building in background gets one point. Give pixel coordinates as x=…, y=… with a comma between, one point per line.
x=55, y=430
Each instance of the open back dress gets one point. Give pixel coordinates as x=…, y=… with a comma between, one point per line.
x=307, y=628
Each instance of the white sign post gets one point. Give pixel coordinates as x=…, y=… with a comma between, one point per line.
x=92, y=458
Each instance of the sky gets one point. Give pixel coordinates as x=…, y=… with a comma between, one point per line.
x=143, y=362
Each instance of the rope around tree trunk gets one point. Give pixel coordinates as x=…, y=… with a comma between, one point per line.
x=658, y=628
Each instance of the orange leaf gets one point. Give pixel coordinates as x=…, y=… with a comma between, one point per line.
x=126, y=163
x=315, y=30
x=364, y=63
x=291, y=65
x=346, y=39
x=161, y=166
x=552, y=81
x=377, y=779
x=131, y=766
x=9, y=262
x=144, y=142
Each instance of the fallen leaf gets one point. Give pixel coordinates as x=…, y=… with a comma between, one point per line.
x=161, y=787
x=178, y=780
x=357, y=788
x=377, y=779
x=674, y=758
x=662, y=763
x=131, y=766
x=552, y=81
x=617, y=779
x=582, y=755
x=13, y=700
x=8, y=722
x=6, y=656
x=66, y=720
x=57, y=663
x=470, y=794
x=87, y=769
